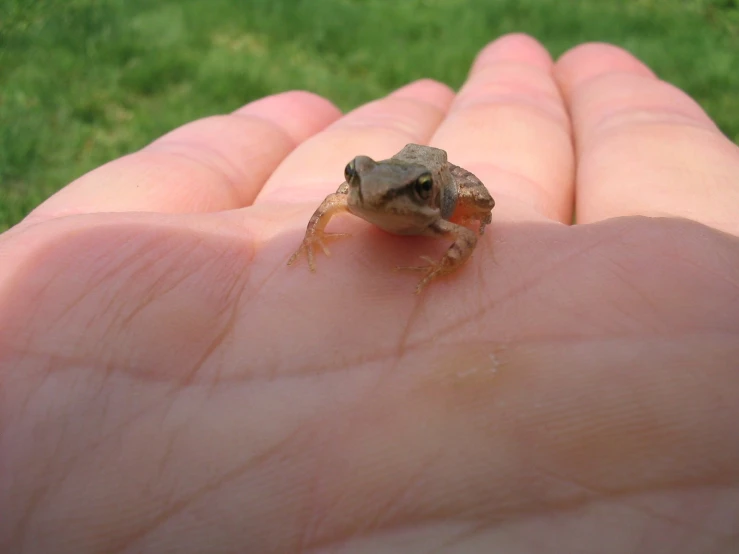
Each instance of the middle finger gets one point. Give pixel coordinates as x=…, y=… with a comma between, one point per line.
x=509, y=126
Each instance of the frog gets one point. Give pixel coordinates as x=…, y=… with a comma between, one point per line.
x=415, y=192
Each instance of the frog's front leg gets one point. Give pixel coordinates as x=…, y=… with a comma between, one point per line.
x=315, y=234
x=460, y=250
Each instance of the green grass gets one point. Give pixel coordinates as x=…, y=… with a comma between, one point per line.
x=84, y=81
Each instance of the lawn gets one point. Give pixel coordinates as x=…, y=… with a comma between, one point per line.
x=85, y=81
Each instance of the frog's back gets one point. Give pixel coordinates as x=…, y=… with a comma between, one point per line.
x=434, y=159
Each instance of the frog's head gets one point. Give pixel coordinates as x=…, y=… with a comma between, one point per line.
x=395, y=195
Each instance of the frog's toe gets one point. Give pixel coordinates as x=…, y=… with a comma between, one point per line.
x=329, y=236
x=433, y=273
x=295, y=256
x=430, y=264
x=432, y=270
x=325, y=249
x=310, y=243
x=307, y=248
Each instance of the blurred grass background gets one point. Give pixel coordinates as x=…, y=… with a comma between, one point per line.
x=85, y=81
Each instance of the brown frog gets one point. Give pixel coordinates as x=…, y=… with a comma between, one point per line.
x=416, y=192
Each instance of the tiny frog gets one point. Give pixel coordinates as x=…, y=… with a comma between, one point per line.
x=416, y=192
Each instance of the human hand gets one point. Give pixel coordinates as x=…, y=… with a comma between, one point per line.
x=168, y=384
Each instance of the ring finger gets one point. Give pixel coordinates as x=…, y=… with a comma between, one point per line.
x=644, y=146
x=509, y=126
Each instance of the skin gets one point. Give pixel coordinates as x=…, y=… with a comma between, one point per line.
x=168, y=385
x=416, y=192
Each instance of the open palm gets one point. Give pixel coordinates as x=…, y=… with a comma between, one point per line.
x=169, y=384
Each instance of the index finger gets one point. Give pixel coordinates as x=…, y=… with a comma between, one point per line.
x=212, y=164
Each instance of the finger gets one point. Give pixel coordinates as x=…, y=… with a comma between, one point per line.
x=378, y=129
x=509, y=126
x=644, y=146
x=215, y=163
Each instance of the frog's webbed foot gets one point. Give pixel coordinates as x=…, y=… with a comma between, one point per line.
x=311, y=240
x=460, y=250
x=432, y=270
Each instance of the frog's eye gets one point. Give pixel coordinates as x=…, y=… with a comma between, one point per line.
x=423, y=186
x=350, y=172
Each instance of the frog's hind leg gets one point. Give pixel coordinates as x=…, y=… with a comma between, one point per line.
x=474, y=202
x=458, y=253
